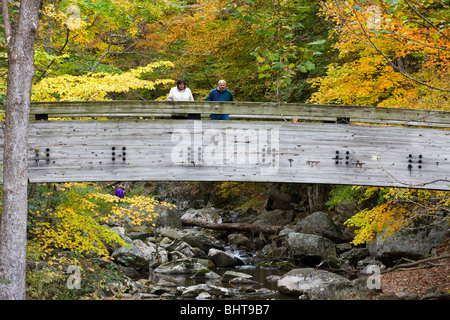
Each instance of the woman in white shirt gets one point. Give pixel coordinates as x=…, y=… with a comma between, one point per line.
x=182, y=93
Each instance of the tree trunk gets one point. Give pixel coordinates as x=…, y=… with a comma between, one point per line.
x=318, y=195
x=13, y=228
x=242, y=227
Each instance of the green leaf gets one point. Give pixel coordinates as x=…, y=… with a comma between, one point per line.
x=274, y=57
x=277, y=66
x=309, y=65
x=392, y=2
x=317, y=42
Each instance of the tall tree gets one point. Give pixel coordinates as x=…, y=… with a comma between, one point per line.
x=13, y=228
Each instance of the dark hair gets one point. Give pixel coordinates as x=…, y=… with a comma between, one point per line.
x=180, y=81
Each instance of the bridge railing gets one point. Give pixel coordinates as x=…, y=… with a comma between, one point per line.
x=243, y=110
x=136, y=142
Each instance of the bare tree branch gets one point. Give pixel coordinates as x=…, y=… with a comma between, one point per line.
x=428, y=21
x=104, y=53
x=57, y=55
x=415, y=263
x=414, y=40
x=6, y=21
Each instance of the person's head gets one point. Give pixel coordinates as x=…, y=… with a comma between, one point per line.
x=222, y=85
x=181, y=84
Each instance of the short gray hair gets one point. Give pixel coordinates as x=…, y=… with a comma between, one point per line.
x=220, y=81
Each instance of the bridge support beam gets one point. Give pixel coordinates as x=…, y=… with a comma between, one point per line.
x=259, y=151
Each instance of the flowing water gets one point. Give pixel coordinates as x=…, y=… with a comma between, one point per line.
x=266, y=287
x=263, y=290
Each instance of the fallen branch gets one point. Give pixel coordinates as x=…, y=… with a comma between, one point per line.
x=415, y=263
x=243, y=227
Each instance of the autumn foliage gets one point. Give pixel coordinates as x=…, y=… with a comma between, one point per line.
x=393, y=53
x=74, y=217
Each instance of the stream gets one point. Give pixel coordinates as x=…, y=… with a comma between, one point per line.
x=266, y=278
x=264, y=290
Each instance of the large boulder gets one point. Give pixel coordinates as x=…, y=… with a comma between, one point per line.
x=311, y=248
x=208, y=214
x=199, y=240
x=140, y=255
x=276, y=217
x=320, y=223
x=168, y=218
x=223, y=259
x=411, y=244
x=312, y=284
x=131, y=256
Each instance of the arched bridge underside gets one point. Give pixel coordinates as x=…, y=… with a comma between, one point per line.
x=263, y=142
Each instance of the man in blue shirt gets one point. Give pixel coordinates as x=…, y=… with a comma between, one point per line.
x=221, y=93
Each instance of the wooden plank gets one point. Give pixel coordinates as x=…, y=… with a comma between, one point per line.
x=260, y=151
x=245, y=110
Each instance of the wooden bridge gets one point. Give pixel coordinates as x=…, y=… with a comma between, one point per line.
x=263, y=142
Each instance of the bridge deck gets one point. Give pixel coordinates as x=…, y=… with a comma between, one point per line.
x=264, y=147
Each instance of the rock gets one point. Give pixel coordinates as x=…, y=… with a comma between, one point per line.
x=208, y=214
x=436, y=296
x=273, y=278
x=147, y=296
x=115, y=288
x=206, y=274
x=159, y=290
x=311, y=284
x=183, y=248
x=343, y=247
x=223, y=259
x=407, y=295
x=176, y=255
x=139, y=255
x=131, y=256
x=129, y=272
x=138, y=235
x=320, y=223
x=243, y=280
x=168, y=232
x=165, y=241
x=194, y=291
x=239, y=239
x=411, y=244
x=369, y=261
x=311, y=248
x=182, y=266
x=276, y=217
x=168, y=218
x=148, y=251
x=162, y=256
x=203, y=296
x=354, y=255
x=229, y=275
x=199, y=240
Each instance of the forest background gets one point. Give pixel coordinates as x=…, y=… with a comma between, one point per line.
x=392, y=53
